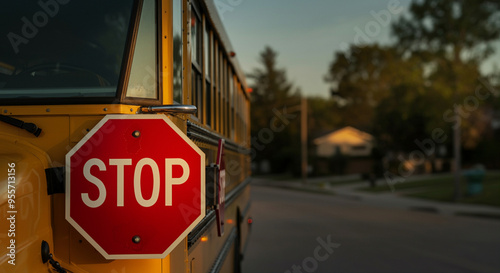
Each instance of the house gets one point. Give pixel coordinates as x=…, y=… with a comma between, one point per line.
x=344, y=151
x=348, y=140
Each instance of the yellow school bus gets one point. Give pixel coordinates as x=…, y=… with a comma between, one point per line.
x=67, y=64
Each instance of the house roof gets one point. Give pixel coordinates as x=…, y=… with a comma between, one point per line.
x=347, y=135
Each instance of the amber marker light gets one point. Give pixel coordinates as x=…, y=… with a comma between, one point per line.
x=204, y=239
x=230, y=221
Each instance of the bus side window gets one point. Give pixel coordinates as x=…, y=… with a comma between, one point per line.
x=196, y=60
x=215, y=83
x=208, y=61
x=177, y=50
x=143, y=80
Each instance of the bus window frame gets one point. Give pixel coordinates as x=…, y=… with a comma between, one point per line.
x=207, y=73
x=215, y=82
x=197, y=96
x=159, y=88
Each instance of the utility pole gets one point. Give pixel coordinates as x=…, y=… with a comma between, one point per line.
x=458, y=159
x=303, y=138
x=457, y=136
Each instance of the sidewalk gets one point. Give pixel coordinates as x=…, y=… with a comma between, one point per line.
x=386, y=199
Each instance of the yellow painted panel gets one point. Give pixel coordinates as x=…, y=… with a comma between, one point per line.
x=52, y=140
x=29, y=216
x=167, y=52
x=79, y=126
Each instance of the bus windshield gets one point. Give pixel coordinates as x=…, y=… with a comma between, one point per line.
x=62, y=48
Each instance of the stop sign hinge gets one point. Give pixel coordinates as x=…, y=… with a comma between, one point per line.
x=211, y=187
x=55, y=180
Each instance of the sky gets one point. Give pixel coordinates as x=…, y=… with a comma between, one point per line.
x=307, y=33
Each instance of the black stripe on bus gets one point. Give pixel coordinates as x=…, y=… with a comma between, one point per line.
x=198, y=231
x=199, y=133
x=219, y=261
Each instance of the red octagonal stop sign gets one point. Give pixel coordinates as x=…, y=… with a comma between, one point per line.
x=135, y=186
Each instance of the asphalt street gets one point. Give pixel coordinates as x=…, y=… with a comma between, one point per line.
x=296, y=231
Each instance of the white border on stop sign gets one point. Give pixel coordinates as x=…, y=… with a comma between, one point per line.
x=82, y=232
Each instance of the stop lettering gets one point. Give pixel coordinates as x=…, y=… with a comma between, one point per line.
x=121, y=163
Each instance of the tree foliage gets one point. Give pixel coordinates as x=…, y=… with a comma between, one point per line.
x=453, y=38
x=273, y=139
x=450, y=28
x=324, y=116
x=271, y=89
x=404, y=91
x=365, y=76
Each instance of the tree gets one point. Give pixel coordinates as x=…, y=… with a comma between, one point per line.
x=358, y=81
x=272, y=93
x=323, y=116
x=363, y=77
x=454, y=35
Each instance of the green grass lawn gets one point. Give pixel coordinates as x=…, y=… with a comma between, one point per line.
x=489, y=196
x=427, y=182
x=442, y=189
x=347, y=181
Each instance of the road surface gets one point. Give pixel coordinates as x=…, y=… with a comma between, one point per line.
x=296, y=231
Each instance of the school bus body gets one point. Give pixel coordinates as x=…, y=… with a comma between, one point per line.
x=40, y=207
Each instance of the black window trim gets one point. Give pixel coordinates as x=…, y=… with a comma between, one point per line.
x=123, y=79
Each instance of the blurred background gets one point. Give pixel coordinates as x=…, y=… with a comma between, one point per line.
x=383, y=117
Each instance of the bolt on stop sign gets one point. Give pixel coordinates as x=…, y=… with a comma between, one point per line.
x=135, y=186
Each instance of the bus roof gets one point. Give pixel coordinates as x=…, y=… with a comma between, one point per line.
x=213, y=14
